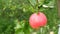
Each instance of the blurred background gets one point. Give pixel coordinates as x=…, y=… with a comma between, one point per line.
x=14, y=16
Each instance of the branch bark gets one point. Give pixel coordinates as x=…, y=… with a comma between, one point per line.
x=58, y=3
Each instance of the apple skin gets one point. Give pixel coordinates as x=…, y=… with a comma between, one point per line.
x=37, y=20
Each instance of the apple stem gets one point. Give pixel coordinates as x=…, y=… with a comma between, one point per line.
x=38, y=5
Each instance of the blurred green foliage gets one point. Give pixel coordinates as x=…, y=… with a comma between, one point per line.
x=14, y=16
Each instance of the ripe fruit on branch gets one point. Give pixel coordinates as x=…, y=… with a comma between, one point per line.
x=37, y=20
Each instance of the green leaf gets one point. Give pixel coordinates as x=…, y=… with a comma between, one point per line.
x=33, y=2
x=41, y=2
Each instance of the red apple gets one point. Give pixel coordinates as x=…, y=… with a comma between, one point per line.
x=37, y=20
